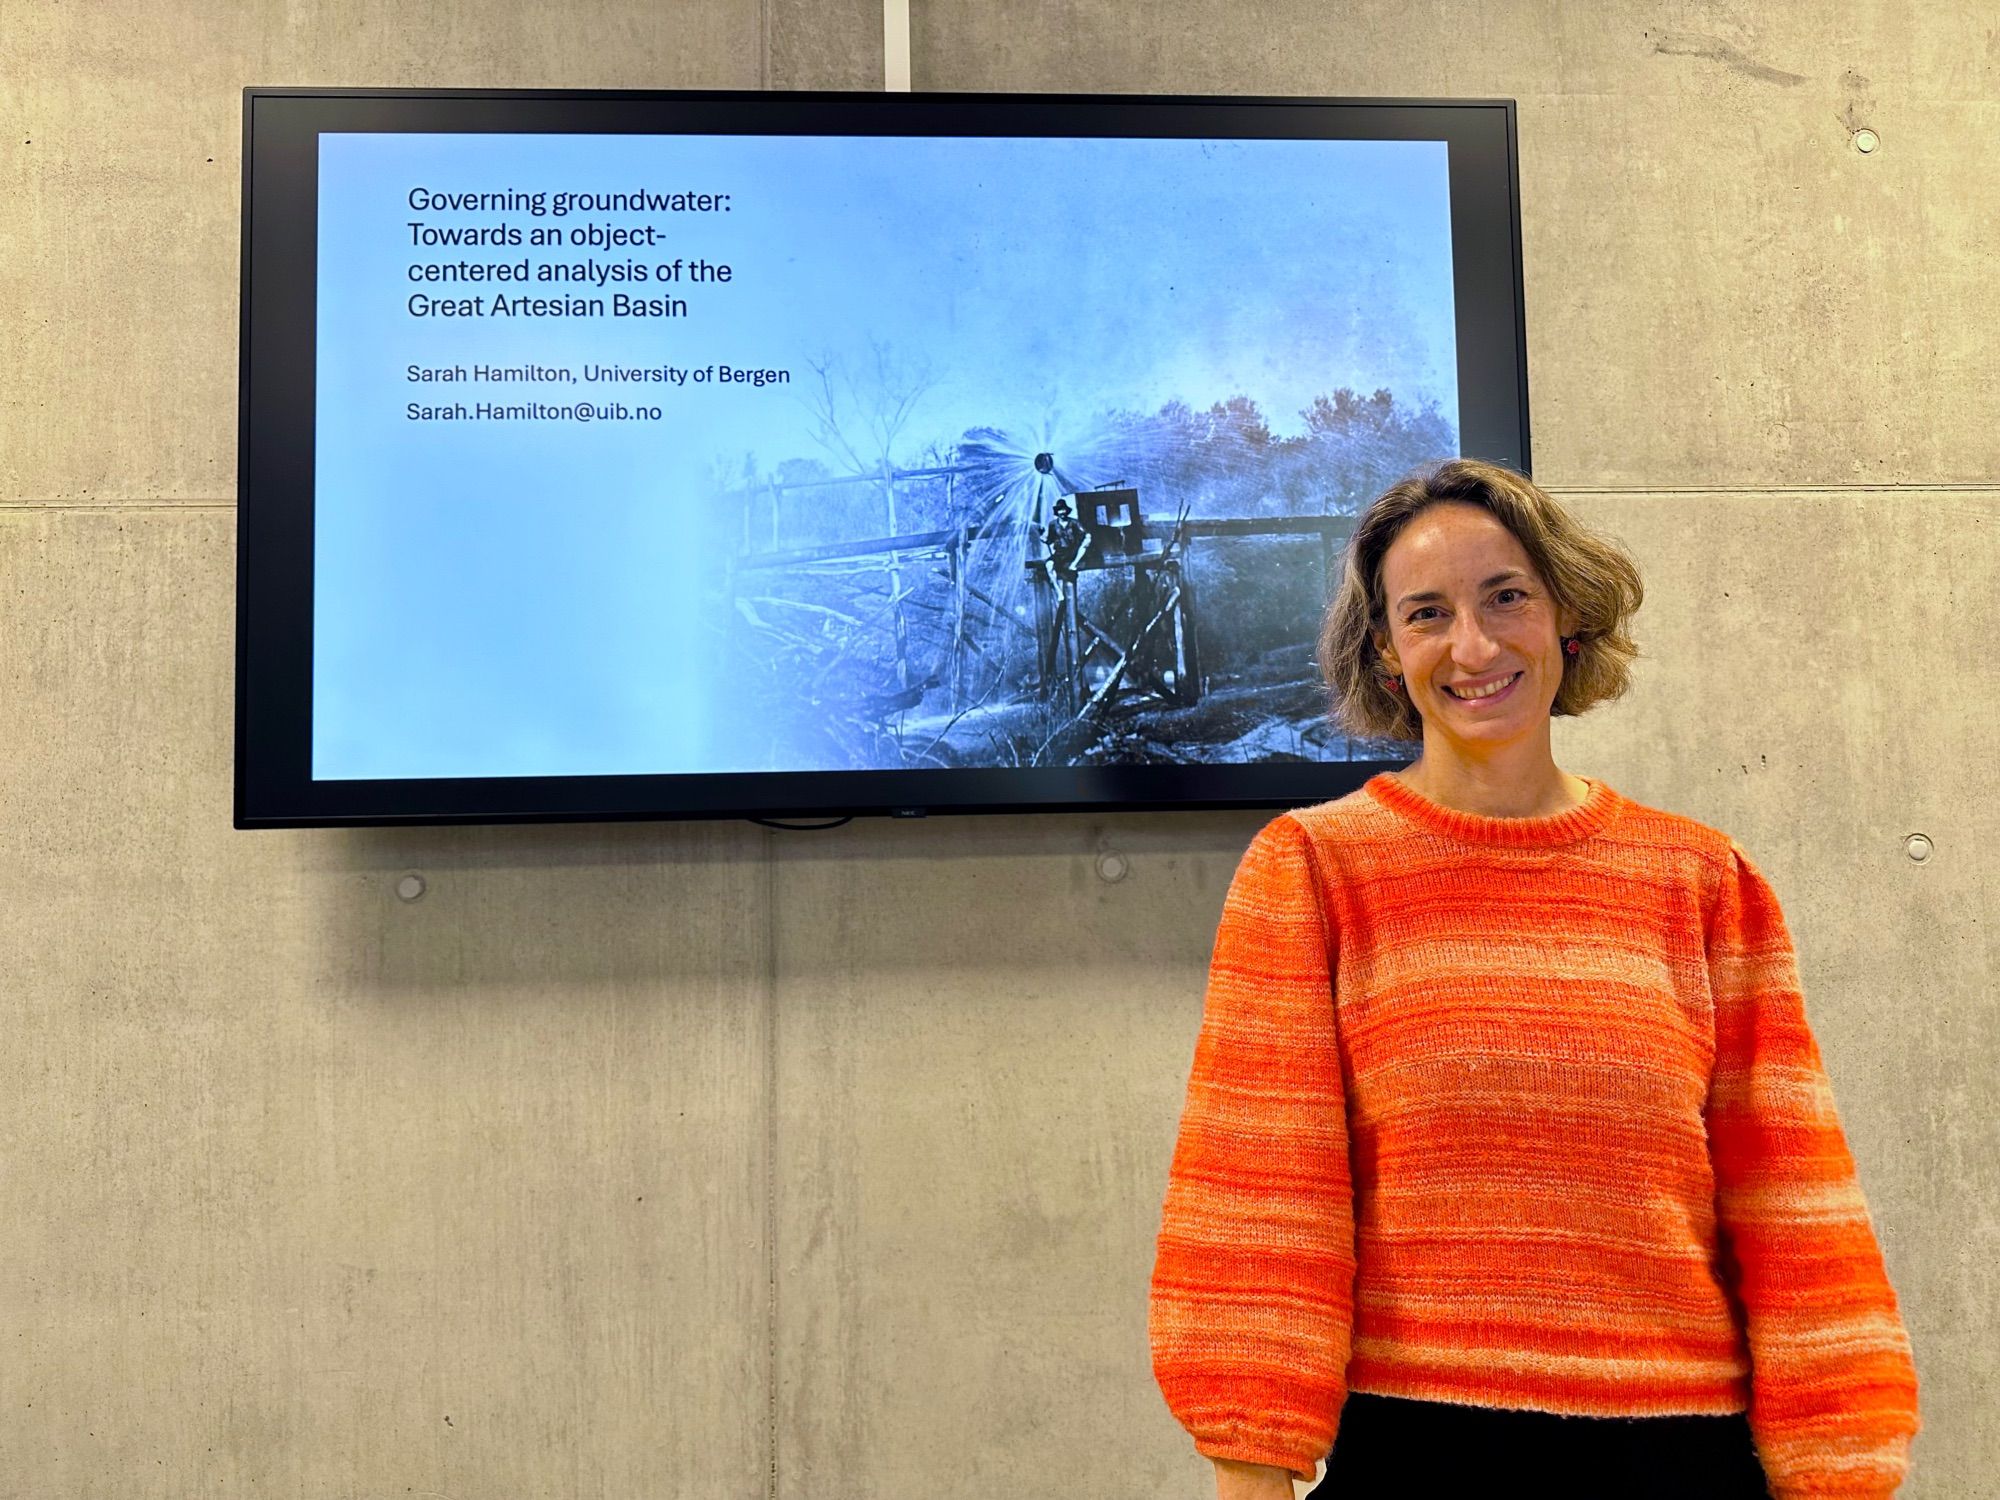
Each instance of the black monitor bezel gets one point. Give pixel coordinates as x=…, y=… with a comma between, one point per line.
x=281, y=128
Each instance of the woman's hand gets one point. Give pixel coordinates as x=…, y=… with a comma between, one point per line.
x=1240, y=1481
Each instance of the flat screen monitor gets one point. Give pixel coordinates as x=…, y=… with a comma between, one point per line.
x=610, y=455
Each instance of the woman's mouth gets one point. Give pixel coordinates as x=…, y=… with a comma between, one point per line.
x=1512, y=683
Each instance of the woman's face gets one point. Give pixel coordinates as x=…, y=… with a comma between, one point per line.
x=1482, y=613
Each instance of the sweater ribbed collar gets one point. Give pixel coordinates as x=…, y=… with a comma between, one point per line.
x=1593, y=814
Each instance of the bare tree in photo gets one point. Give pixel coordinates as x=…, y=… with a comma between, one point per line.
x=859, y=413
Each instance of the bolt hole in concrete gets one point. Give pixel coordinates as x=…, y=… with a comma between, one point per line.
x=1866, y=140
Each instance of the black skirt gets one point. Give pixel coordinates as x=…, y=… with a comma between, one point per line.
x=1387, y=1446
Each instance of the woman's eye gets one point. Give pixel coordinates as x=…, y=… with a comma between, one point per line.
x=1416, y=614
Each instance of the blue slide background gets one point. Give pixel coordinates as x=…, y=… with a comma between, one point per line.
x=538, y=598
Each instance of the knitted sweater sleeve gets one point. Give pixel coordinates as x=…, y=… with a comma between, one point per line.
x=1251, y=1302
x=1833, y=1388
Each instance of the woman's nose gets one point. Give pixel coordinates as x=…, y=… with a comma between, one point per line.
x=1470, y=641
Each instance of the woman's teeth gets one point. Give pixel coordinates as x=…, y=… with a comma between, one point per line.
x=1498, y=687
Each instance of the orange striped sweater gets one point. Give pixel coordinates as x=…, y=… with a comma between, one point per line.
x=1519, y=1113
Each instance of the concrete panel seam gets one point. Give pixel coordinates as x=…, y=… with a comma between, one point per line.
x=1970, y=487
x=118, y=505
x=896, y=46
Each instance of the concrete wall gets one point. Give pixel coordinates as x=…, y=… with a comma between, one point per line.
x=660, y=1160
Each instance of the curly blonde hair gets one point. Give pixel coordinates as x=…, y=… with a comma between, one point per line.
x=1589, y=575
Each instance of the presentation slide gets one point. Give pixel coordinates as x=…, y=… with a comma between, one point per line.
x=641, y=454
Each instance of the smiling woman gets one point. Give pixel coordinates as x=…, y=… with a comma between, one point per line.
x=1494, y=586
x=1508, y=1160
